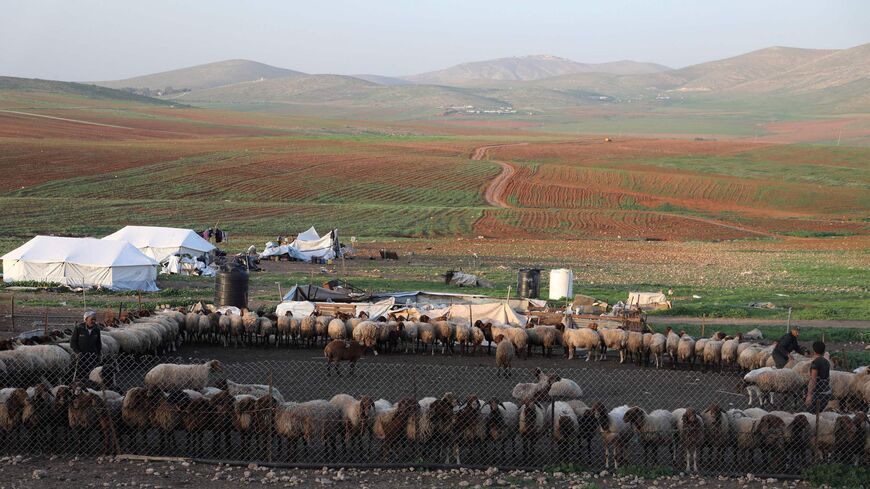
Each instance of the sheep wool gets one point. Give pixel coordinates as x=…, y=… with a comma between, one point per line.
x=168, y=376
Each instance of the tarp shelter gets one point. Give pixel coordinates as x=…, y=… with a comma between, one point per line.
x=439, y=298
x=497, y=312
x=81, y=262
x=308, y=245
x=648, y=300
x=313, y=293
x=302, y=309
x=161, y=243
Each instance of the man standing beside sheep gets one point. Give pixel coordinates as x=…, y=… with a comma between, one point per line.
x=86, y=343
x=784, y=346
x=819, y=391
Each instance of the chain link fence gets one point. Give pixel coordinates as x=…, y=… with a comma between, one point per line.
x=297, y=412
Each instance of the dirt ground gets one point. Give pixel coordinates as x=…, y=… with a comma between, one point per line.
x=19, y=472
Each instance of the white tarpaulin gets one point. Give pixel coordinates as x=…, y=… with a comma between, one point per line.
x=81, y=262
x=161, y=243
x=306, y=246
x=496, y=312
x=302, y=309
x=647, y=299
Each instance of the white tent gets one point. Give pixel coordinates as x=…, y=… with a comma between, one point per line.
x=78, y=262
x=306, y=246
x=649, y=300
x=161, y=243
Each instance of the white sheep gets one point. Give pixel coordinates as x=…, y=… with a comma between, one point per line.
x=563, y=388
x=615, y=432
x=427, y=336
x=654, y=429
x=504, y=354
x=337, y=329
x=658, y=347
x=358, y=416
x=410, y=334
x=256, y=390
x=686, y=349
x=769, y=380
x=168, y=376
x=583, y=339
x=615, y=339
x=561, y=420
x=366, y=333
x=712, y=355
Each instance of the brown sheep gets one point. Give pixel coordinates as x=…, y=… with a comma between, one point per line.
x=136, y=417
x=195, y=421
x=338, y=351
x=222, y=420
x=395, y=428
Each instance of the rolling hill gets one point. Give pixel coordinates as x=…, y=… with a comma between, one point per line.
x=36, y=85
x=204, y=76
x=527, y=68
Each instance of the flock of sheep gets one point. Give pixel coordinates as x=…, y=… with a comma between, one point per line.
x=190, y=402
x=179, y=405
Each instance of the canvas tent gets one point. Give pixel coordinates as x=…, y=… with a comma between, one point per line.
x=440, y=298
x=648, y=300
x=307, y=246
x=498, y=312
x=160, y=243
x=78, y=262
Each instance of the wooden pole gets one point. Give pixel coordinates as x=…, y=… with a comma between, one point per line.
x=788, y=321
x=12, y=312
x=45, y=322
x=703, y=324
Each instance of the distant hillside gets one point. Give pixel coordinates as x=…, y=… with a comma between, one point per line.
x=203, y=76
x=337, y=90
x=72, y=88
x=728, y=73
x=528, y=68
x=382, y=80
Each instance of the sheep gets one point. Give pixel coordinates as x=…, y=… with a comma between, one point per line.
x=467, y=426
x=531, y=425
x=700, y=344
x=444, y=333
x=743, y=427
x=433, y=424
x=747, y=356
x=770, y=380
x=561, y=420
x=312, y=420
x=336, y=329
x=225, y=324
x=12, y=402
x=169, y=376
x=729, y=350
x=308, y=330
x=85, y=414
x=284, y=328
x=366, y=333
x=712, y=354
x=390, y=426
x=264, y=329
x=654, y=429
x=615, y=432
x=657, y=347
x=427, y=336
x=561, y=388
x=717, y=431
x=583, y=339
x=321, y=326
x=477, y=338
x=237, y=329
x=256, y=390
x=538, y=391
x=770, y=438
x=615, y=339
x=203, y=328
x=504, y=355
x=222, y=419
x=463, y=336
x=341, y=351
x=358, y=416
x=671, y=345
x=166, y=411
x=518, y=336
x=409, y=333
x=135, y=414
x=501, y=422
x=57, y=361
x=690, y=431
x=635, y=347
x=194, y=422
x=798, y=440
x=191, y=323
x=686, y=350
x=38, y=412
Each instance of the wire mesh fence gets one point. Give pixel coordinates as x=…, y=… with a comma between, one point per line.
x=299, y=412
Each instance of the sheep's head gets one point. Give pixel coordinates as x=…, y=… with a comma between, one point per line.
x=451, y=398
x=137, y=397
x=600, y=414
x=800, y=427
x=214, y=366
x=424, y=319
x=497, y=338
x=495, y=405
x=635, y=417
x=366, y=407
x=770, y=430
x=715, y=413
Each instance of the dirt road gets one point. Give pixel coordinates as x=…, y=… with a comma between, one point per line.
x=64, y=119
x=494, y=194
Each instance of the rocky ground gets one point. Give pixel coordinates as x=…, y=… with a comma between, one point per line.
x=22, y=472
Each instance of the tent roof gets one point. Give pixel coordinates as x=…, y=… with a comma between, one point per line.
x=80, y=251
x=159, y=237
x=309, y=235
x=314, y=293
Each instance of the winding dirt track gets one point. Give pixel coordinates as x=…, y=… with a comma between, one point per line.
x=494, y=193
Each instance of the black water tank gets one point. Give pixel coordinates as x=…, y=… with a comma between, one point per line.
x=231, y=288
x=529, y=283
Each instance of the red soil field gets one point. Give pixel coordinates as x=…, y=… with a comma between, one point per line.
x=817, y=130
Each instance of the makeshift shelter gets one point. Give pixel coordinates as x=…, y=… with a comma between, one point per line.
x=161, y=243
x=307, y=246
x=313, y=293
x=648, y=300
x=497, y=312
x=301, y=309
x=81, y=262
x=438, y=298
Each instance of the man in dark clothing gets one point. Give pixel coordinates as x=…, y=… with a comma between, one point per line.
x=86, y=343
x=819, y=387
x=784, y=346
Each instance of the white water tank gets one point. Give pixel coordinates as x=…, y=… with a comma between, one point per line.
x=561, y=283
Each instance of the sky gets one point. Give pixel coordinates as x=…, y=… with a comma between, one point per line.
x=113, y=39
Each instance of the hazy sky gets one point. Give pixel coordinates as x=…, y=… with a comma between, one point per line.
x=99, y=40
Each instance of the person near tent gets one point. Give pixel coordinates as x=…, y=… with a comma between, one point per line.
x=785, y=346
x=86, y=343
x=819, y=391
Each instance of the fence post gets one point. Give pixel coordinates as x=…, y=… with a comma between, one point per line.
x=45, y=322
x=12, y=312
x=272, y=421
